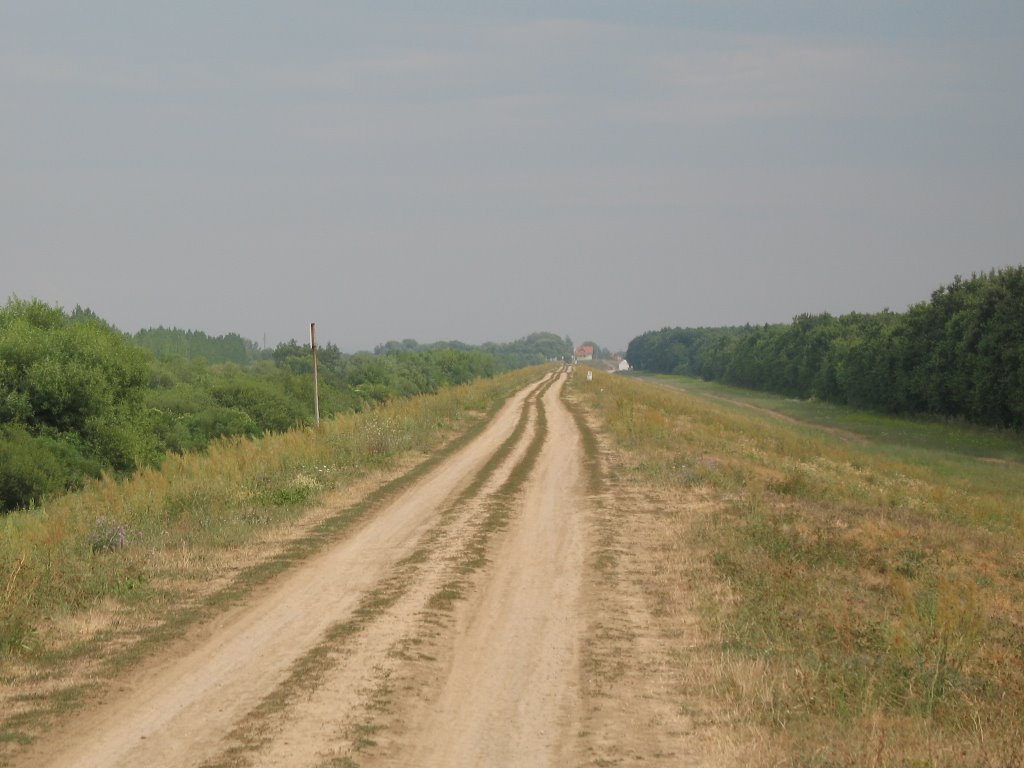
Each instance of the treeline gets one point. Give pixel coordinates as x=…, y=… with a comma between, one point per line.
x=530, y=350
x=79, y=398
x=167, y=343
x=959, y=355
x=72, y=401
x=175, y=343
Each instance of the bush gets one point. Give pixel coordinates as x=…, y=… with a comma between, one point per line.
x=268, y=408
x=70, y=401
x=30, y=467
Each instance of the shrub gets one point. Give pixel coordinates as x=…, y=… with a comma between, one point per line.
x=30, y=467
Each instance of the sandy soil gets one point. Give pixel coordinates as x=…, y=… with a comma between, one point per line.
x=519, y=670
x=507, y=692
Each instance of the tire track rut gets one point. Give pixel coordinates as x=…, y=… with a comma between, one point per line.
x=504, y=688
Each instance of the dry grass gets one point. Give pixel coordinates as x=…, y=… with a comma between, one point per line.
x=860, y=605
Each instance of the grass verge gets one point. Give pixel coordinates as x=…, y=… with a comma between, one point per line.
x=900, y=436
x=866, y=598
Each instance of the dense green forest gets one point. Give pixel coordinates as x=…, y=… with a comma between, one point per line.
x=78, y=397
x=959, y=355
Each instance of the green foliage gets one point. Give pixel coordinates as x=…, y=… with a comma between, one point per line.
x=168, y=343
x=191, y=402
x=71, y=390
x=532, y=350
x=960, y=355
x=59, y=374
x=30, y=466
x=78, y=397
x=269, y=408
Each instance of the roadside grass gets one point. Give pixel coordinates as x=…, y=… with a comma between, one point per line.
x=97, y=577
x=864, y=600
x=900, y=434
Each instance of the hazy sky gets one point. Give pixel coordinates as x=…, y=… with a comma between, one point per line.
x=478, y=170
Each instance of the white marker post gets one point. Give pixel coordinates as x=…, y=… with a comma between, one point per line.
x=316, y=377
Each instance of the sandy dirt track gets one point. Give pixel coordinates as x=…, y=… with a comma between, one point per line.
x=464, y=642
x=509, y=694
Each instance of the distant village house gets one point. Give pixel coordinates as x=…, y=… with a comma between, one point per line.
x=584, y=353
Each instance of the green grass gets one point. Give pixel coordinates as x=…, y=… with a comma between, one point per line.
x=898, y=433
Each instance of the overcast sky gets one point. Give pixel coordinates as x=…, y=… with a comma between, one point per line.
x=477, y=171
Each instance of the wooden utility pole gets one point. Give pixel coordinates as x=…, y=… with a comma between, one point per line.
x=316, y=376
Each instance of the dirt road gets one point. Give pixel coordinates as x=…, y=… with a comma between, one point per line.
x=446, y=630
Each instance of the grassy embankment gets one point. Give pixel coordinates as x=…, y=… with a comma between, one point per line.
x=862, y=579
x=91, y=580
